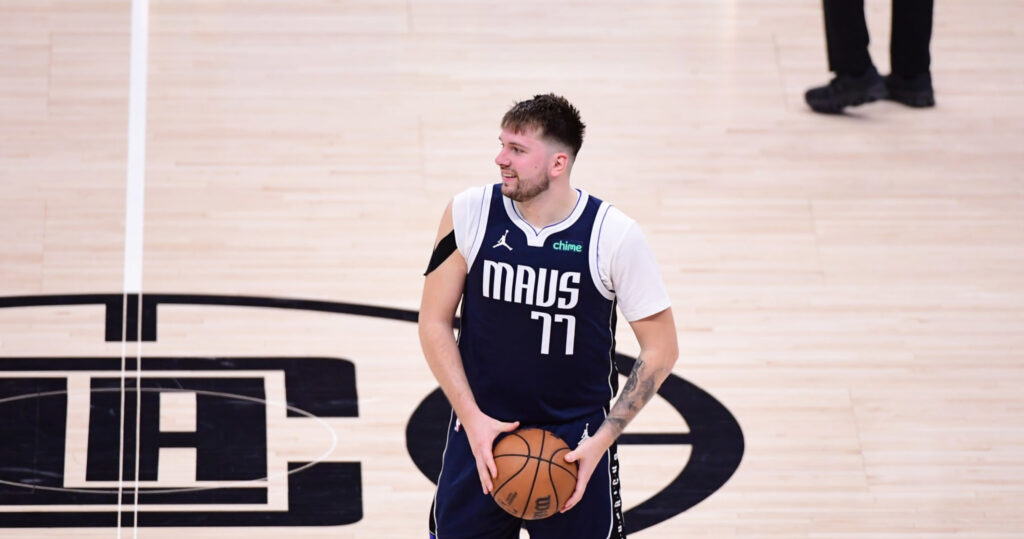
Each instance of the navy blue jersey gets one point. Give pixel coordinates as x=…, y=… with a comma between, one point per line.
x=537, y=337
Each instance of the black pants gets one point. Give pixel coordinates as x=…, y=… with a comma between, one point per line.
x=846, y=33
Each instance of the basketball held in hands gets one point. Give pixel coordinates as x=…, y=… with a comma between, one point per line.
x=534, y=480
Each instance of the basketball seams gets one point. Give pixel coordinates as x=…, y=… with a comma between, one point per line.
x=533, y=483
x=564, y=468
x=554, y=488
x=511, y=477
x=525, y=463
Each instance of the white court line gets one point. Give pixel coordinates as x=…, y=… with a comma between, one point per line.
x=120, y=435
x=133, y=227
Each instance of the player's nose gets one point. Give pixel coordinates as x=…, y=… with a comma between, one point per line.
x=502, y=159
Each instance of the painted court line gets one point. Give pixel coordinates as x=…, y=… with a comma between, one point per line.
x=133, y=228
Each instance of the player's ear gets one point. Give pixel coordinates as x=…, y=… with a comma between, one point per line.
x=559, y=163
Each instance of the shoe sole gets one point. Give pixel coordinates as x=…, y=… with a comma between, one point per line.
x=873, y=94
x=914, y=100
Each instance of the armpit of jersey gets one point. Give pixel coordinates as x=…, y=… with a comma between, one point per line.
x=469, y=215
x=627, y=265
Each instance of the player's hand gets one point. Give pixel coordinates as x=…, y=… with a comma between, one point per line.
x=587, y=456
x=481, y=431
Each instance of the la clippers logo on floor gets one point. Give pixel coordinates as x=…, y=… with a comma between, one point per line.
x=63, y=430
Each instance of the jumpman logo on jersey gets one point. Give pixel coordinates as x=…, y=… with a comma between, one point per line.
x=586, y=434
x=502, y=242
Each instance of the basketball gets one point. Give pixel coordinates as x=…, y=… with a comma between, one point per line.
x=534, y=480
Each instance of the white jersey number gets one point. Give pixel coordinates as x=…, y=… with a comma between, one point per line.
x=545, y=338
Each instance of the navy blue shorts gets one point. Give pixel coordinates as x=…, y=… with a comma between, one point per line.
x=462, y=511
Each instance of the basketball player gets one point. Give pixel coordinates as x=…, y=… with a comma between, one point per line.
x=539, y=267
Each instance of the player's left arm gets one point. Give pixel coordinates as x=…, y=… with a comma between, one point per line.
x=659, y=350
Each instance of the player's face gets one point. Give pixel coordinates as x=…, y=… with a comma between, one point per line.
x=523, y=160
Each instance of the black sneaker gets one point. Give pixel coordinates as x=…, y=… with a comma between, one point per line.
x=846, y=91
x=911, y=91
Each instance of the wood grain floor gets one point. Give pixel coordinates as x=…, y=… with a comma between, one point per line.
x=851, y=288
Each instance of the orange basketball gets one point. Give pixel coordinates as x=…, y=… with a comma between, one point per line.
x=534, y=480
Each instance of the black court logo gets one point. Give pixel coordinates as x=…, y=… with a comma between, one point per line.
x=60, y=441
x=227, y=434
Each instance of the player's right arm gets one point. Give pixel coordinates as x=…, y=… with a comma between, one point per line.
x=442, y=291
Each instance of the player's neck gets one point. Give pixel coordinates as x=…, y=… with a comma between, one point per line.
x=552, y=206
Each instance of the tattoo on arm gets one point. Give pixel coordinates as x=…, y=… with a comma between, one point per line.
x=640, y=387
x=617, y=423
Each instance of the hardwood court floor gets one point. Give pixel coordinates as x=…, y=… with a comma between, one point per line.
x=850, y=288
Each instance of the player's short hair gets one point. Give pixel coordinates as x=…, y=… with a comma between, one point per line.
x=556, y=117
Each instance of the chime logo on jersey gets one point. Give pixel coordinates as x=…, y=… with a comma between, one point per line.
x=541, y=287
x=563, y=245
x=63, y=425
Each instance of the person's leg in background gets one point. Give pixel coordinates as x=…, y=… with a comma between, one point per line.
x=909, y=51
x=856, y=79
x=846, y=37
